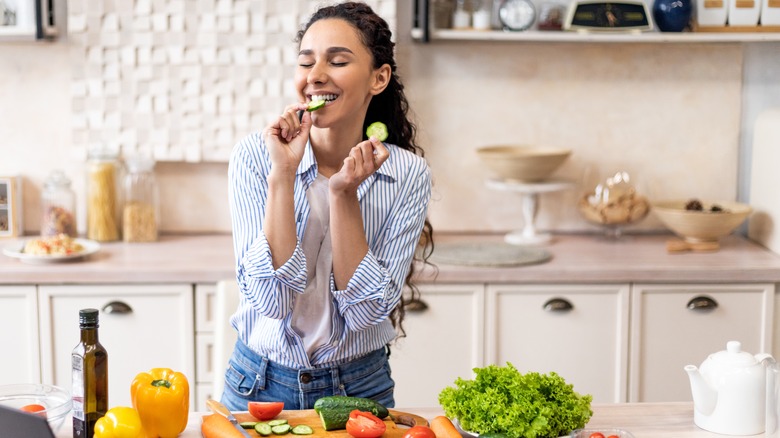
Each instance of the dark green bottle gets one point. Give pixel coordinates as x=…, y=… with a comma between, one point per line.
x=89, y=363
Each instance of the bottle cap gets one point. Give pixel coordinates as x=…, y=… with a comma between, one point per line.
x=88, y=317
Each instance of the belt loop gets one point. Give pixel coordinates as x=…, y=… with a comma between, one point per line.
x=335, y=375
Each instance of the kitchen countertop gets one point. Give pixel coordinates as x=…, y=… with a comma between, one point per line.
x=643, y=420
x=575, y=259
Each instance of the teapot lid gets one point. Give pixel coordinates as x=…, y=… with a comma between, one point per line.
x=733, y=356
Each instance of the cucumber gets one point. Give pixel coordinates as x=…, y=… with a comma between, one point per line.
x=278, y=422
x=493, y=435
x=281, y=429
x=263, y=429
x=248, y=424
x=334, y=410
x=302, y=429
x=378, y=130
x=314, y=105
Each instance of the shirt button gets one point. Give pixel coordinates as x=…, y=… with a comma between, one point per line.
x=305, y=378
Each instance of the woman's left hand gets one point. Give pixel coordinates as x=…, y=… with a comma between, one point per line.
x=363, y=160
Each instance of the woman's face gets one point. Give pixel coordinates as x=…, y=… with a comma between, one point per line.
x=333, y=64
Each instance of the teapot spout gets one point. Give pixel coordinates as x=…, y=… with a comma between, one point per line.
x=704, y=396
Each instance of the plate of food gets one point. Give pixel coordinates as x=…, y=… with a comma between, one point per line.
x=54, y=249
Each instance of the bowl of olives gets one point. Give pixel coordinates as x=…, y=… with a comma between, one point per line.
x=699, y=220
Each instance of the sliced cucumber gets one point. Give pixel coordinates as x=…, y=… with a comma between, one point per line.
x=263, y=429
x=248, y=424
x=378, y=130
x=281, y=429
x=277, y=422
x=314, y=105
x=302, y=429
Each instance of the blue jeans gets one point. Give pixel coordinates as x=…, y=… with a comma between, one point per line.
x=252, y=377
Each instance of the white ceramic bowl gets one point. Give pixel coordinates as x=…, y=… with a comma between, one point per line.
x=56, y=400
x=522, y=163
x=701, y=226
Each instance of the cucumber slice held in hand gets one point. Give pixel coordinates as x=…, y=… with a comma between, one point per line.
x=314, y=105
x=378, y=130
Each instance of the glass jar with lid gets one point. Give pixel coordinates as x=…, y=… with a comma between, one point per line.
x=58, y=202
x=103, y=201
x=141, y=212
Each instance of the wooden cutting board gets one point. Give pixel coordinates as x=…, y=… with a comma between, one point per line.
x=397, y=428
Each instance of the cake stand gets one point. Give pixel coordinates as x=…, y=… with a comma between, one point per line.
x=530, y=202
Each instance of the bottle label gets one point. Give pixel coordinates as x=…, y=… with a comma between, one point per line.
x=77, y=365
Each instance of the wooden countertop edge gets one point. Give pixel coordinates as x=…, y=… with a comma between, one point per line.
x=575, y=259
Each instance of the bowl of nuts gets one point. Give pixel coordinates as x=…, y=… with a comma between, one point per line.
x=701, y=221
x=614, y=204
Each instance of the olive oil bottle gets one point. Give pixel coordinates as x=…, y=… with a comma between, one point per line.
x=89, y=363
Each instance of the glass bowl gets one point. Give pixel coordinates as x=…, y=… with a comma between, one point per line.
x=586, y=433
x=56, y=401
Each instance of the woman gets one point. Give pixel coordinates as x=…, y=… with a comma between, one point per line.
x=326, y=223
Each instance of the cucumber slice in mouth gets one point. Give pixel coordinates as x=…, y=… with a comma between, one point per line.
x=314, y=105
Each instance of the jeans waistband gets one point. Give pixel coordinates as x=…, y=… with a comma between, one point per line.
x=346, y=371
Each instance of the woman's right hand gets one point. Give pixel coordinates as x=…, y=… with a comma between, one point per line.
x=286, y=138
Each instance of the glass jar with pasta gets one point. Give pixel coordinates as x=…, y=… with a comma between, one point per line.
x=103, y=197
x=141, y=212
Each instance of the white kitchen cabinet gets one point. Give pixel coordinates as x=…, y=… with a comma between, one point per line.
x=19, y=340
x=676, y=325
x=577, y=331
x=443, y=342
x=205, y=305
x=141, y=327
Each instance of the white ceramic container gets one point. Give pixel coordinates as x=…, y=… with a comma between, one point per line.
x=711, y=12
x=744, y=12
x=770, y=13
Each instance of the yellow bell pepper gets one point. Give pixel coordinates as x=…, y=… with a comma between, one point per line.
x=120, y=422
x=162, y=398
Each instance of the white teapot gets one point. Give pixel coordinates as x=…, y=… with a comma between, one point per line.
x=729, y=391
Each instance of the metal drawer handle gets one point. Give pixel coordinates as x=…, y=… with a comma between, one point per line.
x=416, y=306
x=560, y=305
x=702, y=303
x=117, y=308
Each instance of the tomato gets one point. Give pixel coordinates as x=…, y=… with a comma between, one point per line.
x=613, y=436
x=420, y=432
x=365, y=425
x=265, y=410
x=34, y=408
x=596, y=435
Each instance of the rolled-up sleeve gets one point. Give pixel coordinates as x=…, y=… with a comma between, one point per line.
x=375, y=289
x=270, y=291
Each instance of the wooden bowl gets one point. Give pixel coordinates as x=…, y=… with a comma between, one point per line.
x=522, y=163
x=701, y=226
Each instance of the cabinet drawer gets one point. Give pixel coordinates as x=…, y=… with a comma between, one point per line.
x=443, y=342
x=19, y=326
x=204, y=357
x=205, y=302
x=587, y=344
x=157, y=332
x=667, y=335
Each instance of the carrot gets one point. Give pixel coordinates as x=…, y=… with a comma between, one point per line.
x=443, y=428
x=217, y=426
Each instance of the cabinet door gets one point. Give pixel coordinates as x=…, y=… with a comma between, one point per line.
x=580, y=332
x=155, y=330
x=442, y=343
x=19, y=342
x=670, y=330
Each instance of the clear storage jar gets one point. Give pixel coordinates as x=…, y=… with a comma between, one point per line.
x=58, y=202
x=141, y=212
x=103, y=201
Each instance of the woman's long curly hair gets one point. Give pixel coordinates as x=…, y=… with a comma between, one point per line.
x=389, y=107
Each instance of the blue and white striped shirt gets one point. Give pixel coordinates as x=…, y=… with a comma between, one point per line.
x=393, y=201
